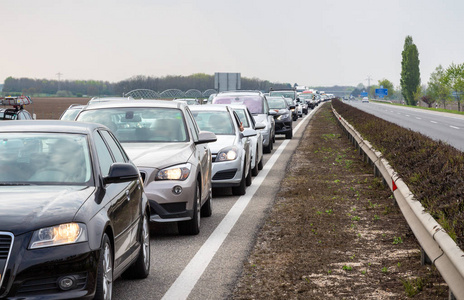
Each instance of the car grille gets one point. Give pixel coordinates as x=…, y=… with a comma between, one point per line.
x=6, y=244
x=225, y=174
x=49, y=285
x=143, y=175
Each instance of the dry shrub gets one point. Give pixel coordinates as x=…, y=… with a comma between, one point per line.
x=432, y=169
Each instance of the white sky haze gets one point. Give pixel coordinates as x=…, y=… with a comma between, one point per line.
x=315, y=43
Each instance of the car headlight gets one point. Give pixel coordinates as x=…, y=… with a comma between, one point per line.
x=283, y=117
x=226, y=154
x=179, y=172
x=68, y=233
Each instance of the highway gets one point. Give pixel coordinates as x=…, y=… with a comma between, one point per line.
x=437, y=125
x=206, y=266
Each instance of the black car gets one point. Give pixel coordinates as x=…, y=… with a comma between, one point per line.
x=73, y=212
x=283, y=116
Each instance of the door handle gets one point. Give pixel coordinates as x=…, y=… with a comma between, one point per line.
x=128, y=195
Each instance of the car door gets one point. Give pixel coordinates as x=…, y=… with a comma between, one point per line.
x=245, y=140
x=119, y=195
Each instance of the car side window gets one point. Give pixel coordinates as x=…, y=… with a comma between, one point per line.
x=118, y=154
x=104, y=155
x=266, y=105
x=192, y=125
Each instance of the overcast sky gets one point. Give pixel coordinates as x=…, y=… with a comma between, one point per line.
x=315, y=43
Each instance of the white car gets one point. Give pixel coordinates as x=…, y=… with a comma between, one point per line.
x=365, y=100
x=231, y=152
x=256, y=141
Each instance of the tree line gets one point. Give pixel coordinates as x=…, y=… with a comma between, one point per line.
x=72, y=88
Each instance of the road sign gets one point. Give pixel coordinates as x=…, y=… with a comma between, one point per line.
x=381, y=92
x=364, y=94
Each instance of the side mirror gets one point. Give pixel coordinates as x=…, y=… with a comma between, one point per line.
x=121, y=172
x=259, y=126
x=292, y=107
x=272, y=112
x=206, y=137
x=247, y=132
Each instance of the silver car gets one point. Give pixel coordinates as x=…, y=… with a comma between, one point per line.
x=163, y=140
x=259, y=108
x=256, y=141
x=232, y=151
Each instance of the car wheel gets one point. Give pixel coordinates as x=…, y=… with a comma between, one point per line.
x=192, y=227
x=248, y=178
x=104, y=289
x=241, y=189
x=255, y=170
x=268, y=148
x=260, y=164
x=289, y=135
x=141, y=267
x=207, y=208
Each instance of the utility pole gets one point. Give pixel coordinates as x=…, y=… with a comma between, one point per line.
x=59, y=81
x=369, y=78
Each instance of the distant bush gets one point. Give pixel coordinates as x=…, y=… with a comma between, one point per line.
x=433, y=170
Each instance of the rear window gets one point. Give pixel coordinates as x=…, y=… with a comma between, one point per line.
x=254, y=103
x=286, y=94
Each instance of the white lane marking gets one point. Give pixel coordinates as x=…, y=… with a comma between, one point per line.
x=186, y=281
x=407, y=115
x=418, y=118
x=434, y=122
x=454, y=127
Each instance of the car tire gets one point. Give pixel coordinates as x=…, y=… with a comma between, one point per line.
x=207, y=208
x=260, y=164
x=255, y=170
x=241, y=189
x=192, y=227
x=268, y=148
x=248, y=178
x=141, y=267
x=104, y=289
x=289, y=135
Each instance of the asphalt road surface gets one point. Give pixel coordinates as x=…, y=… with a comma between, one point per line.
x=206, y=266
x=437, y=125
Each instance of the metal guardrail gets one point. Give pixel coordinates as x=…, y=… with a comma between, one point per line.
x=440, y=248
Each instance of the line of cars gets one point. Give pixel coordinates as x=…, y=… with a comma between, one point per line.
x=84, y=192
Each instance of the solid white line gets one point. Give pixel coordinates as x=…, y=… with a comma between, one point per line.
x=454, y=127
x=186, y=281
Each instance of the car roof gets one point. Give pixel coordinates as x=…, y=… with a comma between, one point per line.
x=236, y=93
x=57, y=126
x=210, y=107
x=136, y=103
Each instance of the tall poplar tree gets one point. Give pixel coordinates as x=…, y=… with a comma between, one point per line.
x=410, y=74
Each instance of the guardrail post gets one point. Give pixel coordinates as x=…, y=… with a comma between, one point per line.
x=425, y=259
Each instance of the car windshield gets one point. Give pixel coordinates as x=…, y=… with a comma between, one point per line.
x=70, y=114
x=286, y=94
x=276, y=103
x=44, y=158
x=242, y=116
x=140, y=124
x=218, y=122
x=306, y=96
x=254, y=103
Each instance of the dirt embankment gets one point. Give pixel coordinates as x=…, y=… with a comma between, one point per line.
x=334, y=231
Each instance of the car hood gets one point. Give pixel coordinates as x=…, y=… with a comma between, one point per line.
x=222, y=142
x=158, y=155
x=282, y=111
x=26, y=208
x=261, y=118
